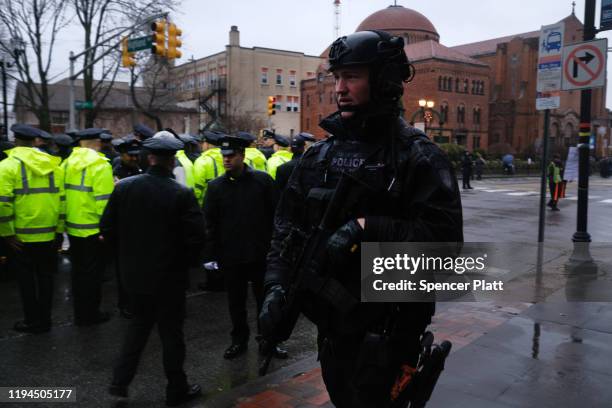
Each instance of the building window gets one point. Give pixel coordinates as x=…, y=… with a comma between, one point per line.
x=202, y=80
x=461, y=114
x=466, y=84
x=289, y=105
x=440, y=86
x=264, y=76
x=477, y=116
x=279, y=103
x=320, y=97
x=320, y=77
x=279, y=77
x=482, y=91
x=444, y=112
x=307, y=99
x=293, y=103
x=292, y=79
x=476, y=142
x=449, y=84
x=457, y=85
x=296, y=103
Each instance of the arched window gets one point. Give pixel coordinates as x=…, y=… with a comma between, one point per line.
x=440, y=87
x=444, y=112
x=457, y=85
x=476, y=115
x=461, y=114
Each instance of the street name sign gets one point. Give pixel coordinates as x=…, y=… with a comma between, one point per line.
x=584, y=65
x=83, y=105
x=140, y=43
x=550, y=58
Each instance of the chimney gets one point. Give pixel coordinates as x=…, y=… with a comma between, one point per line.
x=234, y=37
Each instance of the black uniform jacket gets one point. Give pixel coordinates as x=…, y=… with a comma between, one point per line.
x=413, y=196
x=157, y=229
x=283, y=172
x=239, y=214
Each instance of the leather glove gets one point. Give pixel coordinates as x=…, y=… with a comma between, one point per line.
x=271, y=311
x=344, y=242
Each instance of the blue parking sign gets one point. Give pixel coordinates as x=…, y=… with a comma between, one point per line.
x=606, y=15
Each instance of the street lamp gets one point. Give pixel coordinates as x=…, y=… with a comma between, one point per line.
x=427, y=114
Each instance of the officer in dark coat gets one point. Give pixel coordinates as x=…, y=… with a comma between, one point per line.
x=143, y=132
x=129, y=149
x=156, y=227
x=412, y=195
x=107, y=149
x=239, y=209
x=267, y=143
x=466, y=169
x=283, y=172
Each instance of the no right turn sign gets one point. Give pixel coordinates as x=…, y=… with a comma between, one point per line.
x=584, y=65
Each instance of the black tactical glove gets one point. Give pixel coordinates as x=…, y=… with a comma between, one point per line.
x=344, y=242
x=271, y=311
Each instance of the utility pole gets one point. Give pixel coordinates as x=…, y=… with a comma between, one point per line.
x=581, y=237
x=3, y=64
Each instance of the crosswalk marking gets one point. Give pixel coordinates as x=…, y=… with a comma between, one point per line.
x=574, y=198
x=497, y=191
x=609, y=201
x=523, y=193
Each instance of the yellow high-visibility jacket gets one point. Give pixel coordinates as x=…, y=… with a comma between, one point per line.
x=88, y=181
x=32, y=205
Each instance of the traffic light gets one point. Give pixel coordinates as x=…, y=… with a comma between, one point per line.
x=159, y=38
x=127, y=58
x=174, y=42
x=271, y=105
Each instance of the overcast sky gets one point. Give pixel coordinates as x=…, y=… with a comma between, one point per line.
x=308, y=25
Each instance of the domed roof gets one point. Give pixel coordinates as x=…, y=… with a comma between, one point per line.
x=397, y=18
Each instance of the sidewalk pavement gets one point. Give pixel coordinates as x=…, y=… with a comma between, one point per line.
x=550, y=354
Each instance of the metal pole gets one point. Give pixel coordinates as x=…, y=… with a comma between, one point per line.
x=71, y=110
x=543, y=176
x=581, y=234
x=4, y=102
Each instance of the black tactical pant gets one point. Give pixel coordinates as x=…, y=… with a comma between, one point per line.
x=34, y=267
x=237, y=278
x=87, y=275
x=167, y=310
x=360, y=373
x=466, y=174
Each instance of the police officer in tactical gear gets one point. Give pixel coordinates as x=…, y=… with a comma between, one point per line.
x=411, y=195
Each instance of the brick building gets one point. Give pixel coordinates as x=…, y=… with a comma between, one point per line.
x=483, y=93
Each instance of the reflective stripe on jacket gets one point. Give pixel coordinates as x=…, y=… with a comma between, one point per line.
x=88, y=178
x=32, y=205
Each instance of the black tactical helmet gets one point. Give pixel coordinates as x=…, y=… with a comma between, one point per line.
x=385, y=56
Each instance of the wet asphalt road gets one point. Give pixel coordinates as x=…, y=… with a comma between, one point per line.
x=498, y=210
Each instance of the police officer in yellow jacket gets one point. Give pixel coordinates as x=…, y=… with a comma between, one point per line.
x=31, y=214
x=88, y=184
x=209, y=165
x=281, y=154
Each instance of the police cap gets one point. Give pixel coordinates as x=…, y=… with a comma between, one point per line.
x=143, y=130
x=268, y=134
x=246, y=136
x=63, y=140
x=163, y=143
x=128, y=144
x=106, y=136
x=212, y=137
x=188, y=139
x=281, y=140
x=232, y=144
x=90, y=133
x=28, y=132
x=308, y=137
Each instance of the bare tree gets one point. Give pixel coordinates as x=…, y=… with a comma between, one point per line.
x=34, y=23
x=239, y=119
x=101, y=19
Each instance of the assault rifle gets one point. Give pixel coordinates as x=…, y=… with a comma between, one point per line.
x=304, y=274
